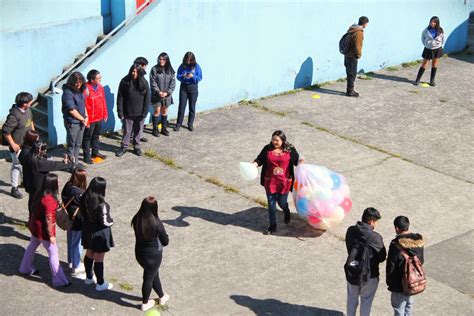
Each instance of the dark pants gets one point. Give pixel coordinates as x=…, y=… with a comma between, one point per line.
x=351, y=71
x=135, y=124
x=187, y=92
x=273, y=199
x=91, y=139
x=74, y=134
x=150, y=260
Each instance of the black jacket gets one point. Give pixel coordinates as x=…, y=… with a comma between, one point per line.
x=378, y=253
x=413, y=244
x=131, y=102
x=72, y=192
x=35, y=168
x=261, y=160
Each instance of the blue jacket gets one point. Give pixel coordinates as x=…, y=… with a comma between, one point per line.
x=72, y=100
x=196, y=71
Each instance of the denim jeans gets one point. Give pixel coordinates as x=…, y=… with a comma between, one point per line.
x=74, y=247
x=273, y=199
x=187, y=92
x=401, y=304
x=366, y=293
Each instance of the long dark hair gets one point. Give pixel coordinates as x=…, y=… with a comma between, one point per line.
x=93, y=199
x=74, y=78
x=49, y=185
x=144, y=223
x=286, y=146
x=79, y=178
x=140, y=83
x=30, y=138
x=168, y=69
x=438, y=28
x=189, y=60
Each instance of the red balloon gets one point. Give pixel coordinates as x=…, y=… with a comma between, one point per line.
x=313, y=219
x=346, y=205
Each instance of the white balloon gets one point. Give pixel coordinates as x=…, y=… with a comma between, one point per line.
x=248, y=171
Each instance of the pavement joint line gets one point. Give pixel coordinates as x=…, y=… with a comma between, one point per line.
x=150, y=153
x=378, y=163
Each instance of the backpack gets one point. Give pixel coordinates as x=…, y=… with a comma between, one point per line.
x=345, y=43
x=62, y=216
x=413, y=277
x=357, y=266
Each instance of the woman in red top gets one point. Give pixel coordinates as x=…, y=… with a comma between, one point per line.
x=96, y=107
x=277, y=160
x=42, y=225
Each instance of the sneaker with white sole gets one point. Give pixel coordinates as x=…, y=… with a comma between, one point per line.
x=104, y=286
x=164, y=299
x=149, y=305
x=80, y=269
x=80, y=276
x=90, y=281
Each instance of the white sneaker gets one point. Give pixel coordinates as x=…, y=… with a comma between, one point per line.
x=164, y=299
x=105, y=286
x=90, y=281
x=148, y=305
x=79, y=269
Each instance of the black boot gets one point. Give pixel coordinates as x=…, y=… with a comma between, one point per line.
x=421, y=71
x=164, y=125
x=433, y=75
x=154, y=121
x=351, y=93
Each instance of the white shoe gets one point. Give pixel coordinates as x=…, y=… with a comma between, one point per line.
x=164, y=299
x=90, y=281
x=105, y=286
x=149, y=305
x=79, y=269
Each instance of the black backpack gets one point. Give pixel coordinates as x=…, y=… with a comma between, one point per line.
x=345, y=43
x=357, y=266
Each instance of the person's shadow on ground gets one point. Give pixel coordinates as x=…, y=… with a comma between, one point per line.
x=255, y=219
x=12, y=255
x=276, y=307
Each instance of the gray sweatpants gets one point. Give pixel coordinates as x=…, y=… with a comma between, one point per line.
x=16, y=171
x=135, y=124
x=74, y=134
x=366, y=293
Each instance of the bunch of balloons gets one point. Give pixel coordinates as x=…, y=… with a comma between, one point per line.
x=321, y=196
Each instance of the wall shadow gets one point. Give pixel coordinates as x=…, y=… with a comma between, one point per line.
x=277, y=307
x=110, y=99
x=254, y=219
x=304, y=78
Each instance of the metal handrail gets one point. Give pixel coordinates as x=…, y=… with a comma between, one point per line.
x=130, y=18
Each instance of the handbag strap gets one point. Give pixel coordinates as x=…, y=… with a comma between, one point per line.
x=67, y=204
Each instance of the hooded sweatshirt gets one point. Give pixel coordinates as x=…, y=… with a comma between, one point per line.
x=362, y=231
x=413, y=244
x=355, y=50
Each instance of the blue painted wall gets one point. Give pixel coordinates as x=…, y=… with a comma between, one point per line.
x=38, y=38
x=249, y=49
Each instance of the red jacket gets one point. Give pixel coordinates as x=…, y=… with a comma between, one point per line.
x=96, y=105
x=43, y=220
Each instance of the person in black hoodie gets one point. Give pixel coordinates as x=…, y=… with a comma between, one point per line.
x=74, y=114
x=133, y=99
x=71, y=197
x=150, y=237
x=364, y=231
x=19, y=121
x=36, y=165
x=413, y=244
x=96, y=235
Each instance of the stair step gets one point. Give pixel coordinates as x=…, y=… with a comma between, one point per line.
x=99, y=38
x=89, y=48
x=39, y=110
x=67, y=67
x=41, y=128
x=78, y=57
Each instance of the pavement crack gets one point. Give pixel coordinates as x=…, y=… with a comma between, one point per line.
x=378, y=163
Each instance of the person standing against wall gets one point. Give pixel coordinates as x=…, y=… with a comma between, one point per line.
x=19, y=122
x=74, y=114
x=354, y=54
x=189, y=74
x=151, y=237
x=277, y=160
x=96, y=107
x=143, y=63
x=162, y=83
x=133, y=100
x=432, y=38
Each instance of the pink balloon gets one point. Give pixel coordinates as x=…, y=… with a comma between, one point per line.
x=346, y=205
x=337, y=196
x=326, y=207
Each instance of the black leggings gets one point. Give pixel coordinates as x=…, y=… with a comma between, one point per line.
x=150, y=260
